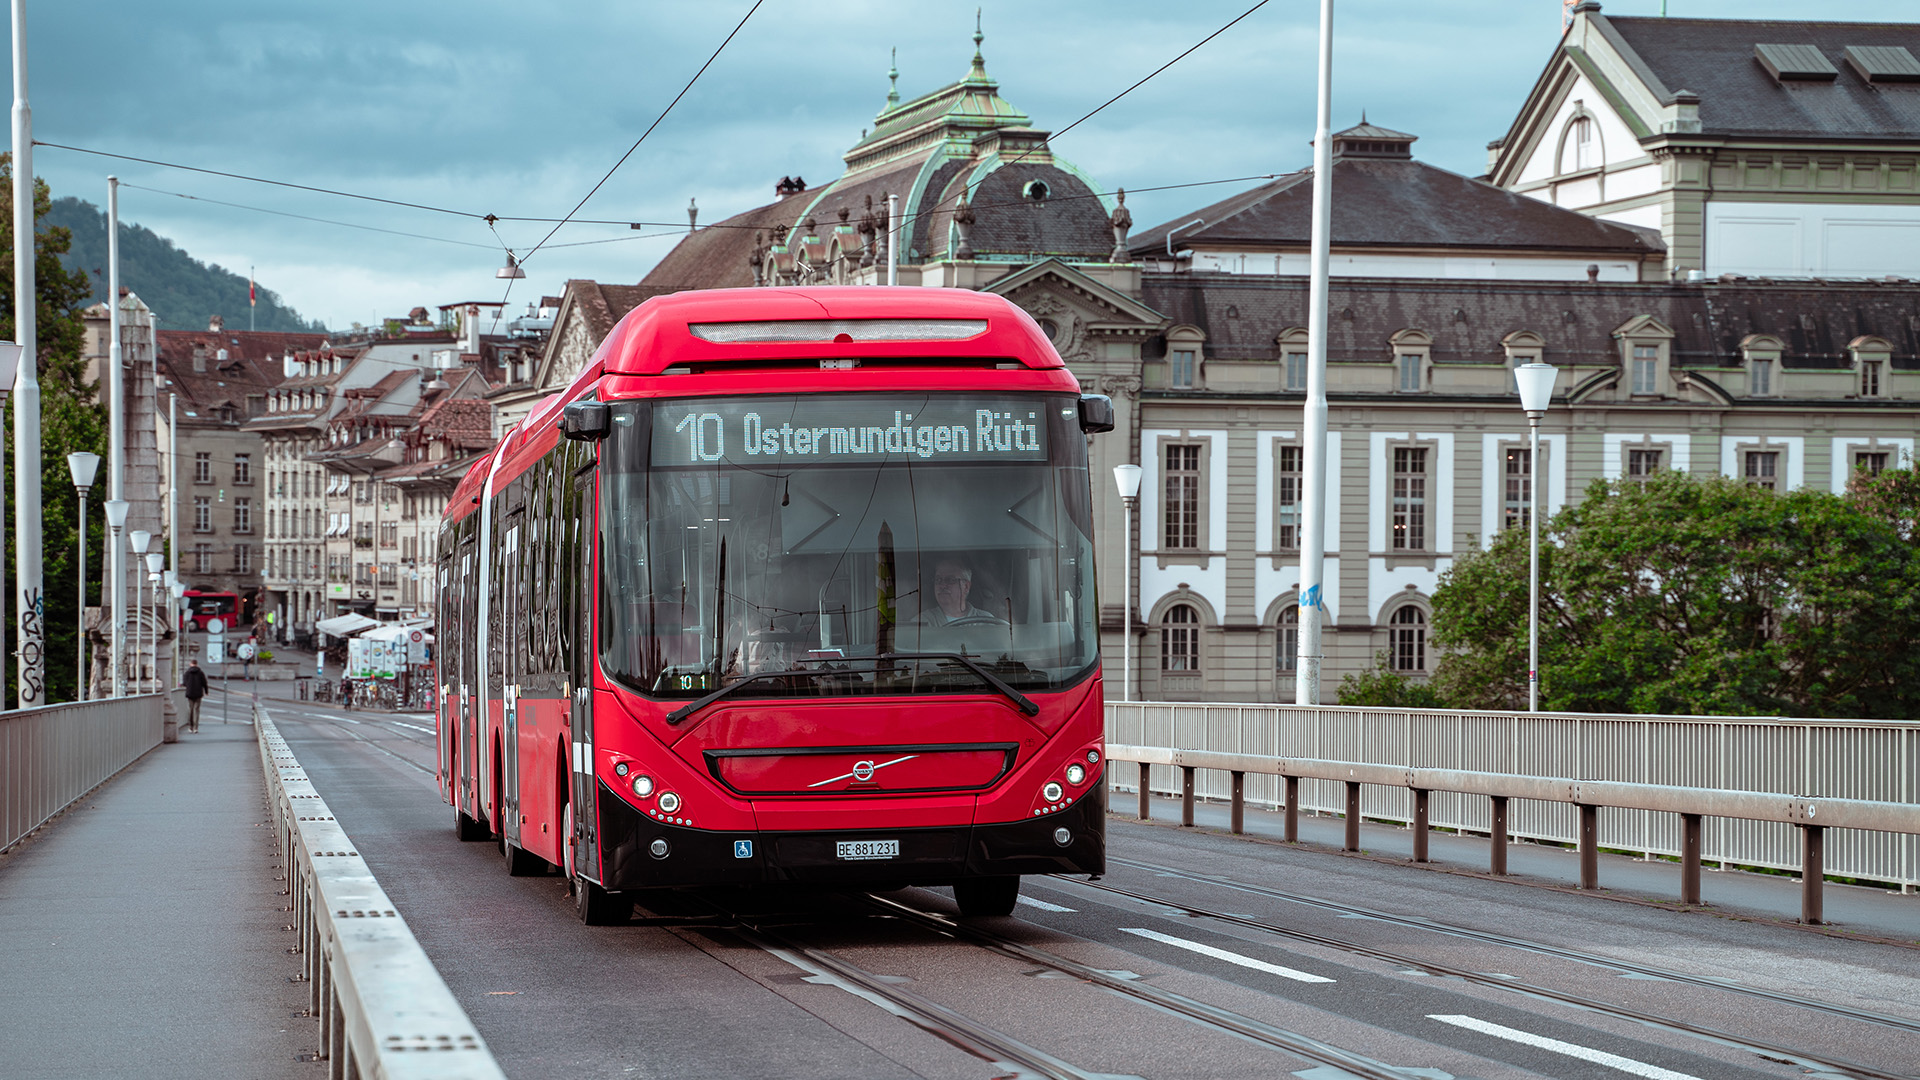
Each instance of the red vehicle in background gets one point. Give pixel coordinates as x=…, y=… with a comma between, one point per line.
x=197, y=607
x=788, y=586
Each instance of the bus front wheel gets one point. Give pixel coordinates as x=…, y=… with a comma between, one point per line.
x=987, y=896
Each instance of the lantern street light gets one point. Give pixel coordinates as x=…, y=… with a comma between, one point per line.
x=156, y=561
x=82, y=465
x=116, y=636
x=1536, y=394
x=137, y=539
x=1127, y=479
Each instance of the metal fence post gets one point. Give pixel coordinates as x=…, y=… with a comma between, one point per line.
x=1353, y=815
x=1812, y=873
x=1146, y=810
x=1498, y=832
x=1293, y=809
x=1420, y=822
x=1589, y=846
x=1239, y=818
x=1186, y=795
x=1690, y=858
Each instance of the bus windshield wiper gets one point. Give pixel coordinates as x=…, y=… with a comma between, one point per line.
x=1020, y=700
x=1023, y=701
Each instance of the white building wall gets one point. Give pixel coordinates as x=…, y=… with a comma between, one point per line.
x=1775, y=239
x=1900, y=453
x=1613, y=458
x=1209, y=578
x=1493, y=478
x=1276, y=578
x=1449, y=267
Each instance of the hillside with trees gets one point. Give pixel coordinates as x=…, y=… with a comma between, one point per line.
x=181, y=290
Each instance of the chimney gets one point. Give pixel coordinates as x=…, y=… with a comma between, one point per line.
x=214, y=323
x=1593, y=273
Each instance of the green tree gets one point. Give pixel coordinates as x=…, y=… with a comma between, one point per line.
x=1382, y=687
x=1697, y=596
x=71, y=419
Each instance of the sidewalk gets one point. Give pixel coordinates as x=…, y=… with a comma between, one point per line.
x=140, y=932
x=1850, y=910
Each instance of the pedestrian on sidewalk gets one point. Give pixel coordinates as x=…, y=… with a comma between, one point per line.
x=346, y=692
x=195, y=684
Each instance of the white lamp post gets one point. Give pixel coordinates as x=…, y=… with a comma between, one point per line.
x=156, y=561
x=137, y=540
x=116, y=632
x=82, y=465
x=1127, y=479
x=1536, y=393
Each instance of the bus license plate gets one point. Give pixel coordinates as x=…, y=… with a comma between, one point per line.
x=867, y=849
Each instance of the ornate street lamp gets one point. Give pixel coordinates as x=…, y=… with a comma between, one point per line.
x=1536, y=394
x=1127, y=479
x=82, y=465
x=137, y=540
x=116, y=637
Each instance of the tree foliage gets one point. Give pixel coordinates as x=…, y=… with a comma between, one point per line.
x=181, y=290
x=1382, y=687
x=71, y=419
x=1698, y=596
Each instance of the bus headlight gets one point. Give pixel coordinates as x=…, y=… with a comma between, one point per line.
x=1052, y=791
x=620, y=769
x=1076, y=774
x=643, y=786
x=669, y=802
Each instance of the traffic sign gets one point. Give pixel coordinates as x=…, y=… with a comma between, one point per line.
x=216, y=627
x=245, y=650
x=216, y=651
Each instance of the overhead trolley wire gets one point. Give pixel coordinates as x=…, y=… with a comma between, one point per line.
x=304, y=217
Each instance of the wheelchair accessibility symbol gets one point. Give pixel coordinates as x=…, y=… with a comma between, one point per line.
x=743, y=849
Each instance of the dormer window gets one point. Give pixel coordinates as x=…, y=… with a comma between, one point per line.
x=1412, y=361
x=1185, y=358
x=1762, y=355
x=1870, y=363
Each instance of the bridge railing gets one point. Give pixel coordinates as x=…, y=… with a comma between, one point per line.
x=383, y=1009
x=52, y=756
x=1870, y=761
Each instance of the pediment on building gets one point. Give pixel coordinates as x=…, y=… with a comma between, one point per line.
x=1644, y=326
x=1074, y=307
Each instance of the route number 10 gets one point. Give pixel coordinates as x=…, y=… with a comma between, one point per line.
x=704, y=444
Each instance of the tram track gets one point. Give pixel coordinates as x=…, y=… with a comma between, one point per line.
x=1589, y=1004
x=1626, y=967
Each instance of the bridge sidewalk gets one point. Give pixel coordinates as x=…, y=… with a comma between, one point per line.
x=140, y=932
x=1873, y=912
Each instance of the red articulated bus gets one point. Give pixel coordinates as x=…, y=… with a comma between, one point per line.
x=789, y=586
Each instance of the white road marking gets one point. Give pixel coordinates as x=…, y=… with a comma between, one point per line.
x=411, y=727
x=1584, y=1053
x=1044, y=906
x=1229, y=957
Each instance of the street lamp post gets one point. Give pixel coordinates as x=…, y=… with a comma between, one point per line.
x=116, y=633
x=1536, y=393
x=82, y=465
x=1127, y=479
x=137, y=540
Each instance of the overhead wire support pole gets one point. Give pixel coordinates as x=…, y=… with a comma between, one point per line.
x=31, y=604
x=893, y=239
x=116, y=439
x=1313, y=465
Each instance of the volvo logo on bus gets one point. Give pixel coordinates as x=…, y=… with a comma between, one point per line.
x=863, y=771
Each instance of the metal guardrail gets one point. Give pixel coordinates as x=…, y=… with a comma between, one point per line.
x=1812, y=816
x=52, y=756
x=383, y=1009
x=1872, y=760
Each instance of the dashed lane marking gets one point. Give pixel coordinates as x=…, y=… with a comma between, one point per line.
x=1044, y=906
x=1229, y=957
x=1573, y=1050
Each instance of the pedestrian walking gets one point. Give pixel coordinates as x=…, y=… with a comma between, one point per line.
x=195, y=684
x=346, y=692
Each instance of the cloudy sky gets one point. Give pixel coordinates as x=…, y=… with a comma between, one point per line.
x=518, y=109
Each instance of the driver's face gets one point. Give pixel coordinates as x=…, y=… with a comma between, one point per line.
x=950, y=588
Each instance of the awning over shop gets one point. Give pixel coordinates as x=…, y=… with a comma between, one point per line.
x=346, y=625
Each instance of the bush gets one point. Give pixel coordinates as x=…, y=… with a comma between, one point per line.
x=1384, y=688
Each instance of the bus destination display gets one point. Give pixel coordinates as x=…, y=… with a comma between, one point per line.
x=827, y=431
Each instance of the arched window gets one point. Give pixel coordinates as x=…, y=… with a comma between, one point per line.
x=1408, y=636
x=1287, y=643
x=1582, y=139
x=1180, y=639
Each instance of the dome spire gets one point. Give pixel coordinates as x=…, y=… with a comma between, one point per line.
x=978, y=73
x=893, y=78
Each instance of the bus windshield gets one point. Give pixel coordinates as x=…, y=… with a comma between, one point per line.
x=847, y=544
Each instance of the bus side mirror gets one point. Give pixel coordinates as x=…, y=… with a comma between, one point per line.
x=1096, y=413
x=585, y=420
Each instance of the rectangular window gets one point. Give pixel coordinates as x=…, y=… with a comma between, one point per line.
x=1182, y=511
x=243, y=515
x=1642, y=463
x=203, y=468
x=243, y=468
x=243, y=558
x=1518, y=505
x=1646, y=369
x=1410, y=499
x=1759, y=377
x=1408, y=630
x=1287, y=504
x=363, y=491
x=408, y=547
x=203, y=513
x=363, y=573
x=1296, y=371
x=1410, y=373
x=203, y=558
x=1287, y=643
x=1180, y=640
x=389, y=534
x=1870, y=379
x=406, y=508
x=1762, y=468
x=389, y=574
x=1873, y=461
x=1180, y=377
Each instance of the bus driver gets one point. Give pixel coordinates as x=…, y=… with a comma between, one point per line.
x=952, y=581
